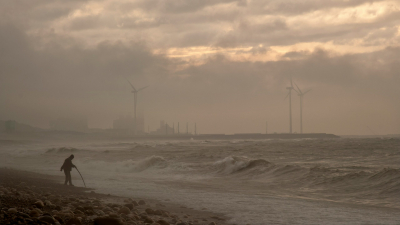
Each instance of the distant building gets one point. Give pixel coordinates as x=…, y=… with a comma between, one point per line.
x=164, y=129
x=70, y=124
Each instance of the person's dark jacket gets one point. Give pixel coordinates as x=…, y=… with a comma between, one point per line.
x=67, y=166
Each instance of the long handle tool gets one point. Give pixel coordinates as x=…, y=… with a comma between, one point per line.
x=81, y=175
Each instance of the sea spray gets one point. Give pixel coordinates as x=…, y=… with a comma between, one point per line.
x=125, y=166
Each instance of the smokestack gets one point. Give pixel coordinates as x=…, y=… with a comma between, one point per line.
x=173, y=128
x=266, y=127
x=187, y=128
x=195, y=129
x=178, y=127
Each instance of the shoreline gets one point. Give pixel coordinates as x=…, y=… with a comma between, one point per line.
x=82, y=136
x=23, y=192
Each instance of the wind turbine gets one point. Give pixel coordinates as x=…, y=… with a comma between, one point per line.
x=301, y=94
x=290, y=102
x=135, y=92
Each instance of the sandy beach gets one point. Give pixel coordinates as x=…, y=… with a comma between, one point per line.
x=33, y=198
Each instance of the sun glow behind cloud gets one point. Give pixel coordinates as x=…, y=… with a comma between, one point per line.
x=362, y=14
x=90, y=9
x=111, y=21
x=273, y=53
x=366, y=13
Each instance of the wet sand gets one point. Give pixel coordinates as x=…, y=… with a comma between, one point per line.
x=32, y=198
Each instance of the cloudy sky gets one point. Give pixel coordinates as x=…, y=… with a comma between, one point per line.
x=224, y=64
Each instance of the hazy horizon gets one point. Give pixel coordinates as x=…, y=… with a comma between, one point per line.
x=222, y=64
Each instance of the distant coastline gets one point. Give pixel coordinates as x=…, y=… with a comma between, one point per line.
x=238, y=136
x=110, y=135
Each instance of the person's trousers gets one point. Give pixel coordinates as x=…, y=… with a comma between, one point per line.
x=67, y=177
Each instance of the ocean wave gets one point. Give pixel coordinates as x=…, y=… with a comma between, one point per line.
x=63, y=150
x=384, y=183
x=287, y=169
x=386, y=173
x=116, y=144
x=150, y=162
x=353, y=181
x=368, y=178
x=142, y=146
x=323, y=170
x=345, y=179
x=126, y=166
x=125, y=145
x=387, y=181
x=236, y=164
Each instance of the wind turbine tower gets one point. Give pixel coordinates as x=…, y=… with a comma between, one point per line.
x=135, y=92
x=290, y=102
x=301, y=94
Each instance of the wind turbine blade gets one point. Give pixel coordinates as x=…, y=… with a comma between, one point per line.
x=142, y=88
x=298, y=89
x=131, y=84
x=287, y=96
x=307, y=91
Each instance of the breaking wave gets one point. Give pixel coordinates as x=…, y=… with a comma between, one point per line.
x=150, y=162
x=355, y=182
x=238, y=164
x=126, y=166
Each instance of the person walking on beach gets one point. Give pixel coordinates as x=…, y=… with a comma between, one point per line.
x=67, y=167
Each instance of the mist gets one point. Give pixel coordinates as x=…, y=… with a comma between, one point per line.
x=223, y=65
x=200, y=112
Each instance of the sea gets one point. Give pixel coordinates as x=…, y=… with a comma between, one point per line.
x=292, y=181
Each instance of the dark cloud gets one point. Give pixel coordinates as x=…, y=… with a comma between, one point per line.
x=85, y=23
x=293, y=7
x=174, y=7
x=224, y=23
x=36, y=13
x=248, y=33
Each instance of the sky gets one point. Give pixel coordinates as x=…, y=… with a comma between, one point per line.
x=222, y=64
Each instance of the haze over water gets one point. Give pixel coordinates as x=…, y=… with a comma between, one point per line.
x=309, y=181
x=224, y=66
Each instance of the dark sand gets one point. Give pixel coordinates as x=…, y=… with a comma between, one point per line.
x=23, y=193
